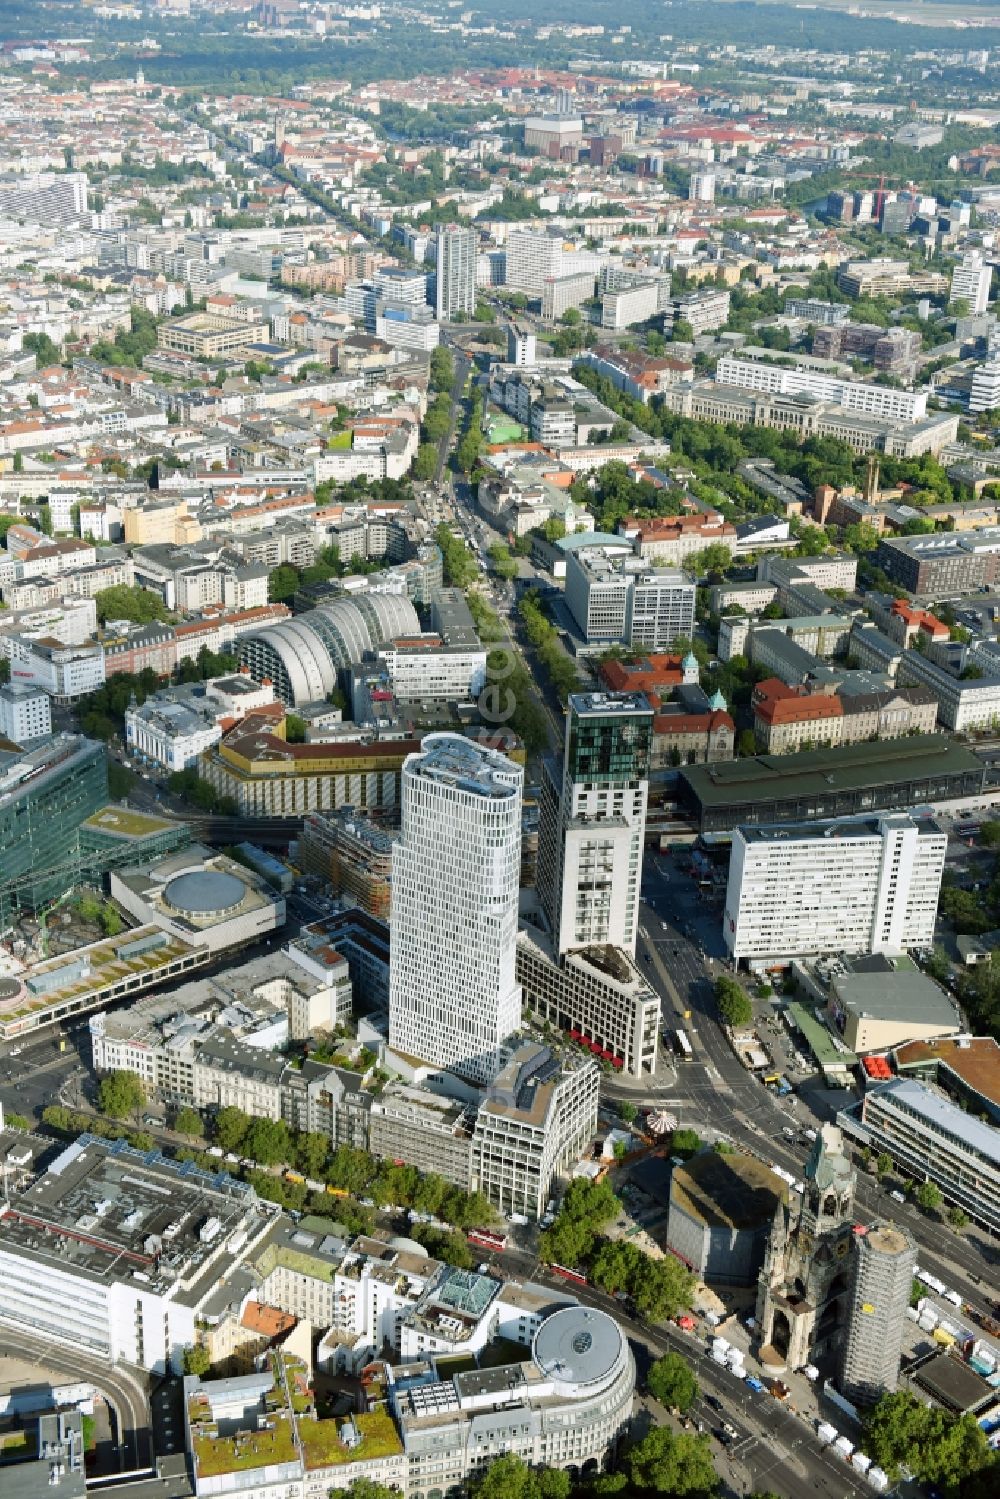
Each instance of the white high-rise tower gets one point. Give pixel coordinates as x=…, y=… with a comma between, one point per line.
x=453, y=998
x=457, y=248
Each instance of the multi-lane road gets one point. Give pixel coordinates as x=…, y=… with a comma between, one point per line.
x=774, y=1448
x=714, y=1091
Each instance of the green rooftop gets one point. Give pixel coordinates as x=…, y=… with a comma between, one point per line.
x=322, y=1446
x=297, y=1260
x=501, y=430
x=821, y=1043
x=123, y=822
x=244, y=1450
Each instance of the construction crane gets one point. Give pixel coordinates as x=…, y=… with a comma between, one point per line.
x=885, y=182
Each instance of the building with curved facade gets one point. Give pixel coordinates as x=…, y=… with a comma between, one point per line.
x=564, y=1407
x=302, y=656
x=453, y=998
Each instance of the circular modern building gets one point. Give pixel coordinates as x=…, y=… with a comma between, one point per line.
x=205, y=894
x=302, y=656
x=582, y=1352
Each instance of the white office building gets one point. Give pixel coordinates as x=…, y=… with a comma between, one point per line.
x=65, y=672
x=427, y=669
x=457, y=249
x=985, y=392
x=854, y=395
x=531, y=259
x=453, y=997
x=520, y=347
x=802, y=889
x=25, y=712
x=117, y=1254
x=701, y=187
x=560, y=293
x=630, y=305
x=592, y=821
x=971, y=281
x=615, y=596
x=538, y=1118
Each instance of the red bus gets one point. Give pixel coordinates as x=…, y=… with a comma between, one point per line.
x=485, y=1238
x=575, y=1275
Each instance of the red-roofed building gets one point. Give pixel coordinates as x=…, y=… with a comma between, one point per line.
x=907, y=621
x=681, y=737
x=653, y=674
x=670, y=539
x=786, y=718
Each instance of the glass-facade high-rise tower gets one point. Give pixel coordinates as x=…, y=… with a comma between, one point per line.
x=45, y=794
x=453, y=996
x=593, y=820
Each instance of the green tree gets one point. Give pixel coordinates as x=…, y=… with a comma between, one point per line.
x=311, y=1151
x=450, y=1248
x=17, y=1121
x=678, y=1464
x=426, y=462
x=509, y=1477
x=586, y=1206
x=295, y=729
x=442, y=369
x=861, y=537
x=929, y=1196
x=671, y=1382
x=613, y=1265
x=188, y=1122
x=682, y=331
x=135, y=603
x=120, y=1094
x=282, y=584
x=685, y=1142
x=662, y=1288
x=230, y=1128
x=746, y=743
x=936, y=1447
x=712, y=559
x=628, y=1112
x=989, y=834
x=504, y=564
x=732, y=1001
x=883, y=1164
x=44, y=350
x=268, y=1141
x=197, y=1361
x=571, y=317
x=367, y=1488
x=958, y=1219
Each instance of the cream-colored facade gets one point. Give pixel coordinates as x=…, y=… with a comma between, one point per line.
x=205, y=335
x=170, y=524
